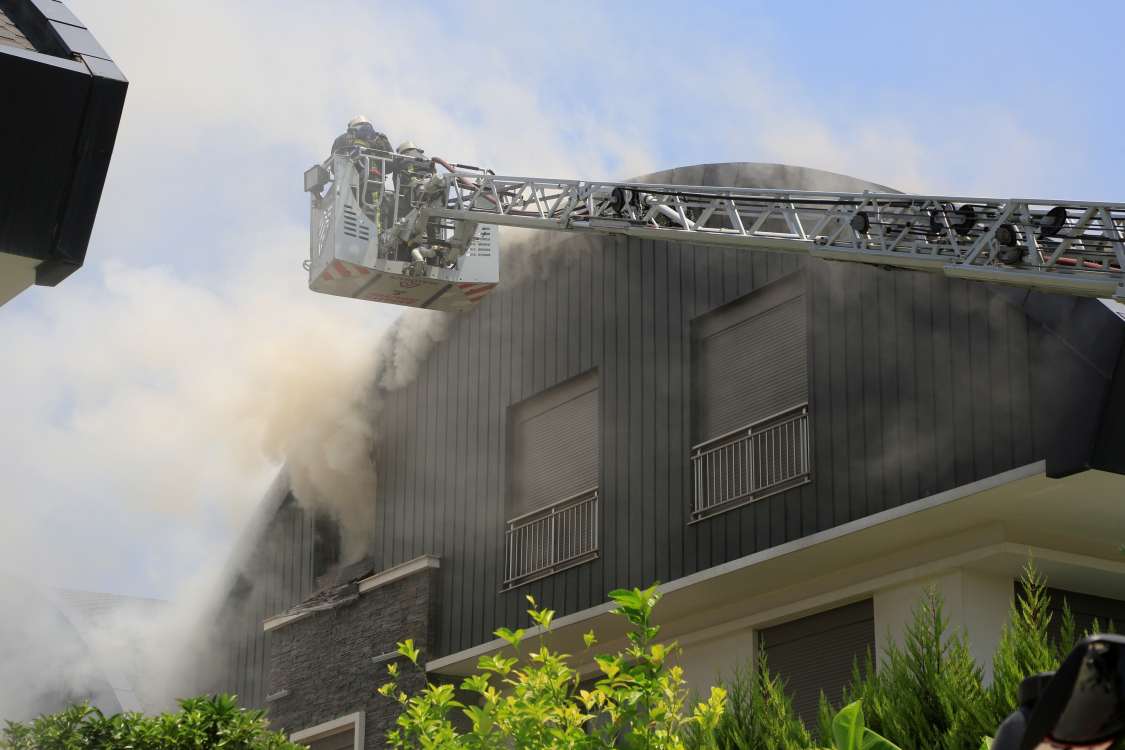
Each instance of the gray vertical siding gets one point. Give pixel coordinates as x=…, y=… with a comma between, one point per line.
x=903, y=404
x=278, y=574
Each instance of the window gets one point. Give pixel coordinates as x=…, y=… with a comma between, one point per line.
x=554, y=481
x=816, y=653
x=750, y=364
x=345, y=733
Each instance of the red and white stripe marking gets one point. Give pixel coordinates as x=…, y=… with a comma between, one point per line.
x=338, y=269
x=474, y=292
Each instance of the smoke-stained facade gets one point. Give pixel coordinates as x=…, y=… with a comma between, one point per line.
x=285, y=550
x=778, y=439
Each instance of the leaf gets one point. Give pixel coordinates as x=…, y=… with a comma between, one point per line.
x=407, y=649
x=873, y=741
x=985, y=743
x=510, y=637
x=847, y=727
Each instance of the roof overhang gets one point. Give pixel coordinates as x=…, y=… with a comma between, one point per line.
x=1071, y=525
x=65, y=100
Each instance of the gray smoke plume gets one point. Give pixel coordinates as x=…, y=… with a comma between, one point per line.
x=328, y=451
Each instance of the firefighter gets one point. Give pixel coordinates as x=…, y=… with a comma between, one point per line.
x=407, y=171
x=360, y=134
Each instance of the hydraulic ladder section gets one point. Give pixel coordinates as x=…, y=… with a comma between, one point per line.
x=1068, y=247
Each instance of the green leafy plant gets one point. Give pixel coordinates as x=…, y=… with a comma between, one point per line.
x=202, y=723
x=919, y=696
x=538, y=703
x=759, y=714
x=1024, y=648
x=850, y=733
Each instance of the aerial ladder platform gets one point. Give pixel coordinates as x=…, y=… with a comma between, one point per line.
x=422, y=232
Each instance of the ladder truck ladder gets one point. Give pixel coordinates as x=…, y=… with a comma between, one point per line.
x=430, y=240
x=1068, y=247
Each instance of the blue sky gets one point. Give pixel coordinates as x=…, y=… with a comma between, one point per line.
x=152, y=396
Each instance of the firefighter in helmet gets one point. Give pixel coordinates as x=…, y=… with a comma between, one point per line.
x=360, y=134
x=411, y=169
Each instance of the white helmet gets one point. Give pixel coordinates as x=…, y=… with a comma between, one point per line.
x=405, y=145
x=358, y=120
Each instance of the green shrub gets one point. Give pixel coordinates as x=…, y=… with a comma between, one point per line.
x=759, y=714
x=930, y=696
x=201, y=724
x=638, y=703
x=927, y=695
x=919, y=697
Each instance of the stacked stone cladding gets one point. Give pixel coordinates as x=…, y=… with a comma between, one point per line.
x=325, y=660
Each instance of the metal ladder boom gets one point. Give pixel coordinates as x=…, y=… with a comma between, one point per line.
x=1068, y=247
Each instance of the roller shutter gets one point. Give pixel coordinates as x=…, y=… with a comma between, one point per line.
x=816, y=653
x=1085, y=608
x=344, y=740
x=753, y=369
x=556, y=446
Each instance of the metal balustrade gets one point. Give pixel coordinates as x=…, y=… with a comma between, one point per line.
x=753, y=462
x=552, y=538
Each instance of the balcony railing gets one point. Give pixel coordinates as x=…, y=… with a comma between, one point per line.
x=765, y=458
x=551, y=539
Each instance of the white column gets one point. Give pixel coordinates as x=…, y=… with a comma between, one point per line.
x=701, y=659
x=976, y=603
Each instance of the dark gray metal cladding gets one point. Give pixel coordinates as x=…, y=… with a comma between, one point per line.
x=65, y=96
x=904, y=403
x=281, y=564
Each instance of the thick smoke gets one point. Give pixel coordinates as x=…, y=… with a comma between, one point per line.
x=326, y=445
x=530, y=254
x=407, y=345
x=45, y=662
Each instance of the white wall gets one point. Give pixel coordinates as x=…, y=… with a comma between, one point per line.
x=975, y=603
x=701, y=659
x=17, y=273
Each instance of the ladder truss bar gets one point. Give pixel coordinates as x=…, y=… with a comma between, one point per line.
x=1073, y=247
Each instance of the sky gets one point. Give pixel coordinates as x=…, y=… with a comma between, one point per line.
x=150, y=398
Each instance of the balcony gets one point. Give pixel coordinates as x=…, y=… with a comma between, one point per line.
x=552, y=539
x=767, y=457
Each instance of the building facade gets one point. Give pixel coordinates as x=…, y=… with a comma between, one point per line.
x=791, y=446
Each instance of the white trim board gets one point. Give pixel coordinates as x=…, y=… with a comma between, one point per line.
x=390, y=575
x=357, y=721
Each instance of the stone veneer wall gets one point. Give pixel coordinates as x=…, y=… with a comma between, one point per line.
x=325, y=661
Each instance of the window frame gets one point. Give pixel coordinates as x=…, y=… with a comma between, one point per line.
x=356, y=720
x=726, y=316
x=521, y=411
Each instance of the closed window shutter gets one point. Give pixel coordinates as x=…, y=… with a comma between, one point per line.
x=753, y=369
x=816, y=653
x=1084, y=608
x=340, y=741
x=556, y=453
